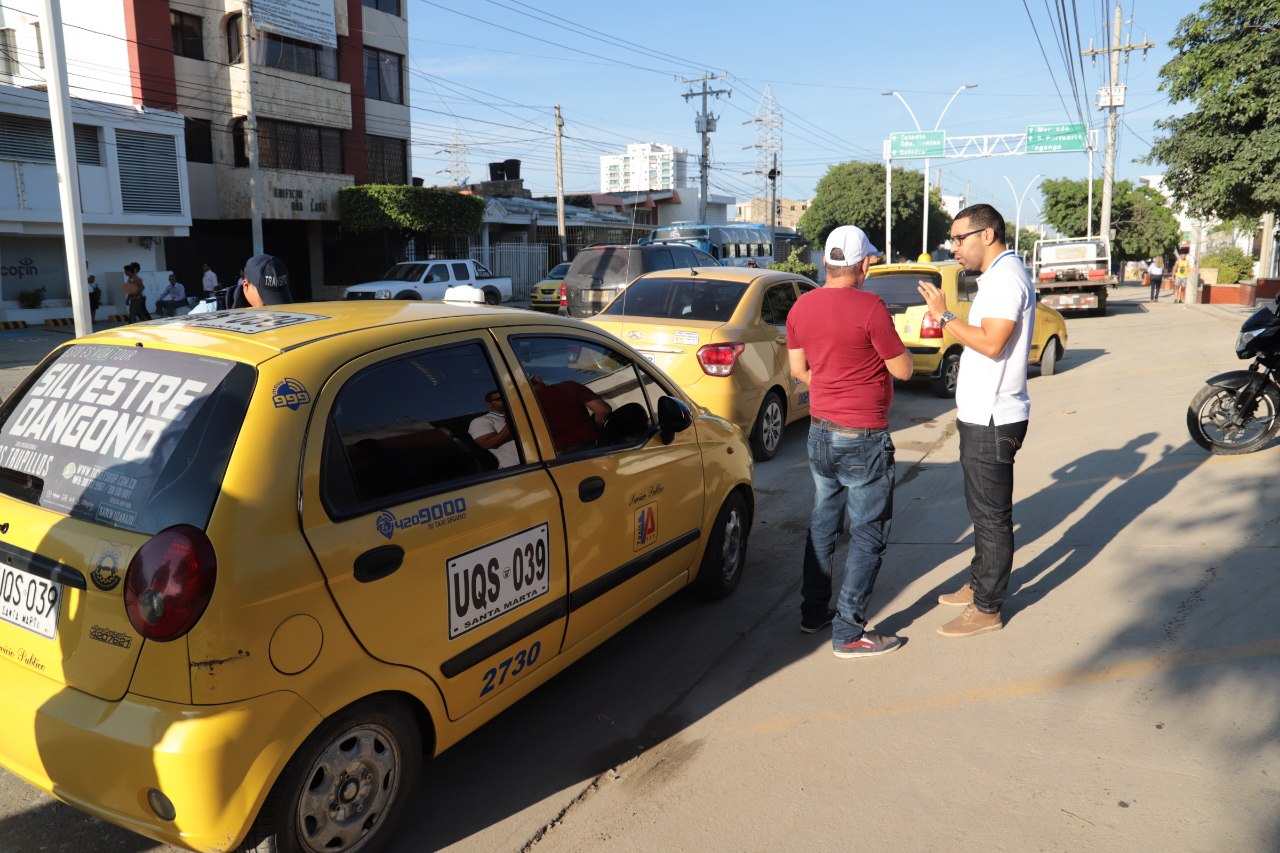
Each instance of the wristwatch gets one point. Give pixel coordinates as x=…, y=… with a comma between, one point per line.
x=946, y=318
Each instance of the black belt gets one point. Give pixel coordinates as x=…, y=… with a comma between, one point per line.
x=841, y=429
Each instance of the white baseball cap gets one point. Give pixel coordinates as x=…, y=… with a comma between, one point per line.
x=846, y=246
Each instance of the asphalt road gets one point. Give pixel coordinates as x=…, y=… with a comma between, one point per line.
x=1131, y=703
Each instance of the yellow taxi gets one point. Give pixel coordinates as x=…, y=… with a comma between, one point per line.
x=545, y=295
x=721, y=332
x=258, y=564
x=935, y=352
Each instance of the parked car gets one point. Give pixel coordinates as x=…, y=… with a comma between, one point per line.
x=599, y=273
x=545, y=295
x=431, y=280
x=721, y=334
x=258, y=563
x=933, y=349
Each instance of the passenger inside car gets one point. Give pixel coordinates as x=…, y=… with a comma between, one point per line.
x=574, y=413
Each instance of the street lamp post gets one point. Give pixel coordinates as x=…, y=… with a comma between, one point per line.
x=924, y=236
x=1018, y=200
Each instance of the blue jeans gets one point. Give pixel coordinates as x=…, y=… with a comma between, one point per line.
x=853, y=478
x=986, y=458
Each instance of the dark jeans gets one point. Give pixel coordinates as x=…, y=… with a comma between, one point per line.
x=1156, y=282
x=853, y=478
x=986, y=458
x=138, y=309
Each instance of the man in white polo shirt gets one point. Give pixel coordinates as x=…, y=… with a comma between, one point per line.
x=992, y=406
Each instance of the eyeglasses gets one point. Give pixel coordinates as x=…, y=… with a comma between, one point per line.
x=959, y=238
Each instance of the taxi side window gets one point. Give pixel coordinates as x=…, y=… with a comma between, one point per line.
x=776, y=304
x=590, y=396
x=404, y=427
x=967, y=287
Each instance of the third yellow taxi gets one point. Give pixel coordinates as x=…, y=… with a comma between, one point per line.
x=721, y=333
x=935, y=352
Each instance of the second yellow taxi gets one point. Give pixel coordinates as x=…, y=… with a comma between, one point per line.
x=721, y=332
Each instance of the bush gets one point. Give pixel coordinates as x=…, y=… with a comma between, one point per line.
x=31, y=298
x=795, y=265
x=1232, y=264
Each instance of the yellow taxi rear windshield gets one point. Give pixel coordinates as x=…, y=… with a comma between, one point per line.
x=680, y=298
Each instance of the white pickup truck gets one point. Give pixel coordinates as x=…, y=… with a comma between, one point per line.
x=431, y=280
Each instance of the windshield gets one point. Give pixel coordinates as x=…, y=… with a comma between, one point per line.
x=900, y=289
x=679, y=299
x=128, y=437
x=558, y=272
x=404, y=272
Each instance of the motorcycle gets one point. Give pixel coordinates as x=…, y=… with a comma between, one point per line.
x=1239, y=412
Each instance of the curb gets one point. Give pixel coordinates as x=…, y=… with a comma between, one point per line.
x=60, y=321
x=13, y=324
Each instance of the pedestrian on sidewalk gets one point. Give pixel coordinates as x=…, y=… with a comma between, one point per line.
x=133, y=294
x=841, y=341
x=1155, y=273
x=172, y=298
x=1181, y=270
x=992, y=406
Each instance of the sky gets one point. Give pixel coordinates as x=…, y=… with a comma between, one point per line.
x=485, y=74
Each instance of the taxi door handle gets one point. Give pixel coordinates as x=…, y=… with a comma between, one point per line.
x=590, y=489
x=379, y=562
x=780, y=339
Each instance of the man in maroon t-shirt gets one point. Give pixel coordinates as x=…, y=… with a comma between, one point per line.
x=842, y=342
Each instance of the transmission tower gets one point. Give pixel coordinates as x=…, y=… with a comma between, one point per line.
x=457, y=169
x=768, y=148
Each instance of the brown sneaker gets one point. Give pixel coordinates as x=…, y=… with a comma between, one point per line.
x=962, y=597
x=972, y=621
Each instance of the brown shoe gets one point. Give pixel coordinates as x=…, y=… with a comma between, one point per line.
x=962, y=597
x=971, y=622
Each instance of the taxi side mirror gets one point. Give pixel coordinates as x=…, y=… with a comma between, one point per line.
x=673, y=417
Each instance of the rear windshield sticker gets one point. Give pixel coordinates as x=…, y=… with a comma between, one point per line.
x=290, y=394
x=108, y=566
x=245, y=322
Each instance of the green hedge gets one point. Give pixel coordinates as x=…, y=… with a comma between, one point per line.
x=396, y=207
x=1232, y=264
x=795, y=265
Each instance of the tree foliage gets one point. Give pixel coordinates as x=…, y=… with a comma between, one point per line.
x=853, y=194
x=796, y=265
x=1144, y=225
x=1223, y=157
x=406, y=209
x=1232, y=265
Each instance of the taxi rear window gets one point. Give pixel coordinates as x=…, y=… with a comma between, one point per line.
x=679, y=299
x=128, y=437
x=900, y=290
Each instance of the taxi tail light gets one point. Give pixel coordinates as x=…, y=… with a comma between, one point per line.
x=719, y=359
x=169, y=582
x=929, y=327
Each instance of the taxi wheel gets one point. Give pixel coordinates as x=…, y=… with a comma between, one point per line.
x=944, y=384
x=346, y=787
x=766, y=434
x=1049, y=358
x=726, y=552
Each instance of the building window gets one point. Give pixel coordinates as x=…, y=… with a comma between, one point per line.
x=31, y=140
x=387, y=161
x=300, y=57
x=235, y=40
x=188, y=35
x=391, y=7
x=199, y=137
x=285, y=145
x=8, y=53
x=382, y=75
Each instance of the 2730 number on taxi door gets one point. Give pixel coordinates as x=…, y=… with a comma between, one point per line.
x=497, y=578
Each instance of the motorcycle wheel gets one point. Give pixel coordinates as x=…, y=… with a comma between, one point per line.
x=1213, y=421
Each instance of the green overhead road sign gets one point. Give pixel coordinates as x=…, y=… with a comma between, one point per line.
x=918, y=143
x=1052, y=138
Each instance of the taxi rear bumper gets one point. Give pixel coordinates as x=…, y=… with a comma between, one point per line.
x=215, y=764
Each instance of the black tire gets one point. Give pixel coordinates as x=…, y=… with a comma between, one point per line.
x=346, y=787
x=1212, y=412
x=766, y=432
x=408, y=294
x=1049, y=358
x=944, y=384
x=726, y=552
x=492, y=296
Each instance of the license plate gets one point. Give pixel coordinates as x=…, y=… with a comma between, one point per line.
x=497, y=579
x=29, y=602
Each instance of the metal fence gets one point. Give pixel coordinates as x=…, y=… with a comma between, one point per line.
x=524, y=263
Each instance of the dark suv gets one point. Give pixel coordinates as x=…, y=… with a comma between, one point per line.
x=600, y=273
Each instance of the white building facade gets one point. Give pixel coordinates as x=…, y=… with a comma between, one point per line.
x=645, y=166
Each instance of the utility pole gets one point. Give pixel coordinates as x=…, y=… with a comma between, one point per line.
x=1111, y=98
x=251, y=133
x=705, y=123
x=768, y=144
x=564, y=246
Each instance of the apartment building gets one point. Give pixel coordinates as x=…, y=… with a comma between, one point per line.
x=329, y=93
x=645, y=166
